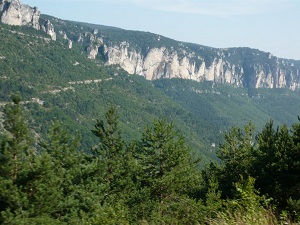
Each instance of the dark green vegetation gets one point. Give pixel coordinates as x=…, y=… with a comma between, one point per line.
x=124, y=170
x=76, y=90
x=151, y=180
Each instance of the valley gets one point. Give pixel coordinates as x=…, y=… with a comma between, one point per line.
x=112, y=126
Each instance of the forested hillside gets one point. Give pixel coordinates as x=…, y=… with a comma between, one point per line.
x=56, y=82
x=71, y=88
x=153, y=179
x=85, y=142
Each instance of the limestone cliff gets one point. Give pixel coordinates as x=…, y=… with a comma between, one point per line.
x=12, y=12
x=48, y=28
x=154, y=57
x=238, y=67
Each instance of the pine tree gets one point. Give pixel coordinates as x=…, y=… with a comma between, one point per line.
x=15, y=146
x=61, y=149
x=236, y=154
x=168, y=171
x=112, y=164
x=277, y=163
x=111, y=147
x=294, y=165
x=16, y=157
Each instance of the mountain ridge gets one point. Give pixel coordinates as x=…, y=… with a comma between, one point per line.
x=154, y=56
x=61, y=83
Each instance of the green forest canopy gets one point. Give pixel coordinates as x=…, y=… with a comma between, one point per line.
x=151, y=180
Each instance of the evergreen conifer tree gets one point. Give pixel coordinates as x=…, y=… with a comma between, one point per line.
x=15, y=162
x=111, y=147
x=168, y=172
x=236, y=154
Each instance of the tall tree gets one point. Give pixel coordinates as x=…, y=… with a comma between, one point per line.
x=236, y=154
x=16, y=157
x=113, y=164
x=277, y=163
x=168, y=171
x=111, y=149
x=61, y=148
x=15, y=146
x=294, y=164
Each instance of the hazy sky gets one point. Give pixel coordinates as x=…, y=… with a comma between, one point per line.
x=269, y=25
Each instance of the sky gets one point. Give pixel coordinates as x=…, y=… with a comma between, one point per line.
x=268, y=25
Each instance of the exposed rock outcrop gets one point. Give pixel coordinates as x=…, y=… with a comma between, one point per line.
x=12, y=12
x=154, y=56
x=241, y=67
x=48, y=28
x=223, y=68
x=93, y=48
x=65, y=36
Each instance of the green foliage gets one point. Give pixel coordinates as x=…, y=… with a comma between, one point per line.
x=168, y=172
x=152, y=180
x=138, y=177
x=15, y=158
x=236, y=154
x=272, y=160
x=110, y=140
x=213, y=201
x=111, y=153
x=276, y=163
x=263, y=217
x=16, y=143
x=63, y=80
x=237, y=149
x=246, y=207
x=247, y=198
x=24, y=173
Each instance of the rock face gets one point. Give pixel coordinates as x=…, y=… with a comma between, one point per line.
x=12, y=12
x=154, y=56
x=237, y=67
x=240, y=67
x=94, y=44
x=48, y=28
x=65, y=36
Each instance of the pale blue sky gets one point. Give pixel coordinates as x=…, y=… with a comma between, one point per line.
x=269, y=25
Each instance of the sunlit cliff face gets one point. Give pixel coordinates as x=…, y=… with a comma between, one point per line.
x=12, y=12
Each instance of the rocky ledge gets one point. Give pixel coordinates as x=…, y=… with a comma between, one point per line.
x=12, y=12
